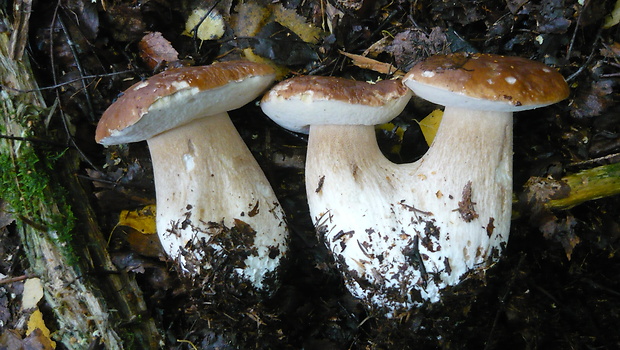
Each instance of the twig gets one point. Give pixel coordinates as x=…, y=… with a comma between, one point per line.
x=609, y=157
x=15, y=279
x=572, y=40
x=590, y=57
x=55, y=86
x=79, y=67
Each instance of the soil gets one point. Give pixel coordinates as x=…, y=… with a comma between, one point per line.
x=557, y=285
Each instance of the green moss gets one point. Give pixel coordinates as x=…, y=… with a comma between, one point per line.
x=28, y=175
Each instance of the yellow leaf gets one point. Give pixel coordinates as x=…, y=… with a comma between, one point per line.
x=248, y=18
x=430, y=124
x=296, y=23
x=251, y=17
x=613, y=17
x=36, y=322
x=211, y=28
x=142, y=220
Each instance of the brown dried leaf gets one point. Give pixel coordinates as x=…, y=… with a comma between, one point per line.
x=562, y=231
x=412, y=45
x=538, y=191
x=10, y=339
x=594, y=100
x=369, y=63
x=155, y=50
x=553, y=17
x=126, y=20
x=38, y=340
x=6, y=217
x=611, y=50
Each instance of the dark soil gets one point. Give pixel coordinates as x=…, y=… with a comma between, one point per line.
x=557, y=285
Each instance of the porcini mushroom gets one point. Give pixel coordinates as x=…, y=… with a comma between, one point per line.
x=351, y=186
x=401, y=233
x=207, y=182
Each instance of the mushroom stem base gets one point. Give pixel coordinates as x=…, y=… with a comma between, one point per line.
x=401, y=233
x=214, y=204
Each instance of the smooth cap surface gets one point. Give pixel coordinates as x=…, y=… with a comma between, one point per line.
x=299, y=102
x=486, y=82
x=180, y=95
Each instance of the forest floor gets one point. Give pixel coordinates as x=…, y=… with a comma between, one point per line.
x=557, y=285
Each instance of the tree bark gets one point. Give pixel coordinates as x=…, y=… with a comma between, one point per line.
x=91, y=299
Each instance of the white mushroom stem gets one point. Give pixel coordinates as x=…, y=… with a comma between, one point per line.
x=402, y=233
x=205, y=174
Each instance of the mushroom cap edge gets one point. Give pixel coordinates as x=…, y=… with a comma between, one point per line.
x=299, y=102
x=180, y=95
x=486, y=82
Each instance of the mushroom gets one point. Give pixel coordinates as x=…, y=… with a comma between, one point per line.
x=353, y=190
x=402, y=233
x=214, y=203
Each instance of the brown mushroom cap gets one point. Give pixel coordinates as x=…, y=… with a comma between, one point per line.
x=485, y=81
x=299, y=102
x=180, y=95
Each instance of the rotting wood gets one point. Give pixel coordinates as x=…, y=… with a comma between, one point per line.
x=91, y=299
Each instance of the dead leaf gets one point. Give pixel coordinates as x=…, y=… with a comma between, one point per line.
x=38, y=333
x=6, y=217
x=142, y=220
x=614, y=16
x=562, y=231
x=205, y=24
x=296, y=23
x=553, y=16
x=156, y=51
x=611, y=50
x=38, y=340
x=374, y=65
x=248, y=18
x=430, y=124
x=10, y=339
x=141, y=232
x=33, y=293
x=411, y=45
x=593, y=100
x=275, y=33
x=144, y=244
x=282, y=45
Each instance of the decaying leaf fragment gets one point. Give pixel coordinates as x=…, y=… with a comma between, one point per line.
x=142, y=219
x=141, y=233
x=33, y=293
x=39, y=331
x=614, y=16
x=155, y=50
x=274, y=32
x=539, y=191
x=205, y=24
x=372, y=64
